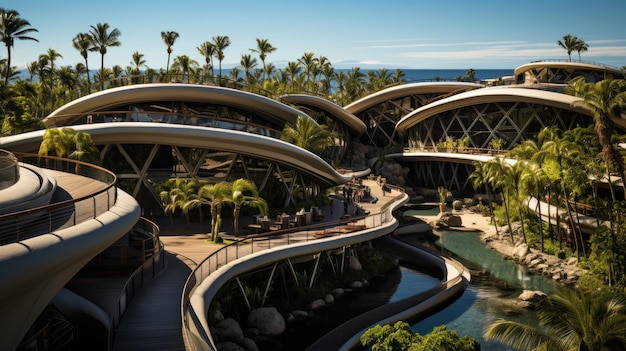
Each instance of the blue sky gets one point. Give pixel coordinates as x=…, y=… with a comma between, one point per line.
x=418, y=34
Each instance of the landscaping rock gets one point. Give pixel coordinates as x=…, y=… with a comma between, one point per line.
x=267, y=320
x=354, y=263
x=227, y=330
x=317, y=304
x=229, y=346
x=329, y=299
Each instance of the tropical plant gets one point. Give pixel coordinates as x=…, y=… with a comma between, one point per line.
x=245, y=193
x=221, y=42
x=480, y=177
x=569, y=43
x=568, y=320
x=400, y=337
x=12, y=27
x=606, y=99
x=581, y=46
x=263, y=47
x=82, y=43
x=307, y=134
x=101, y=39
x=207, y=50
x=169, y=38
x=213, y=195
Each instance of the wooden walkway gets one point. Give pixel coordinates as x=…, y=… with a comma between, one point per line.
x=153, y=319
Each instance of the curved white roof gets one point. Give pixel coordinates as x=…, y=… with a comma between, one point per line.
x=489, y=95
x=171, y=92
x=346, y=117
x=571, y=65
x=266, y=148
x=399, y=91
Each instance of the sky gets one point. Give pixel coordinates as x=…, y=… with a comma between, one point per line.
x=406, y=34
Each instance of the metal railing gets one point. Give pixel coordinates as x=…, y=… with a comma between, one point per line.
x=20, y=225
x=262, y=242
x=151, y=267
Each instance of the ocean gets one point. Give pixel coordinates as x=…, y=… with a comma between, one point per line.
x=424, y=75
x=411, y=75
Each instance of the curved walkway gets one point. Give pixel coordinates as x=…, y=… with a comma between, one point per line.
x=153, y=320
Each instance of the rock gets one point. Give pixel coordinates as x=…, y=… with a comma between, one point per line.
x=317, y=304
x=457, y=205
x=532, y=296
x=299, y=314
x=329, y=299
x=337, y=292
x=217, y=316
x=449, y=219
x=267, y=320
x=520, y=251
x=248, y=344
x=227, y=330
x=572, y=261
x=356, y=284
x=354, y=263
x=229, y=346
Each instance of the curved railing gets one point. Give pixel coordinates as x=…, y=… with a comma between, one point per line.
x=192, y=329
x=9, y=169
x=152, y=265
x=581, y=61
x=171, y=118
x=20, y=225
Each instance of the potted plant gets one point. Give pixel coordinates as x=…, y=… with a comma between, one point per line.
x=443, y=195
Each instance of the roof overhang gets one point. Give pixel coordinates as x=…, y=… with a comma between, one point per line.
x=139, y=93
x=352, y=121
x=490, y=95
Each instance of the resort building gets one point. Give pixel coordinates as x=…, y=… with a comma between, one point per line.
x=150, y=133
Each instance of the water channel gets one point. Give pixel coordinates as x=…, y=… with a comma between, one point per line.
x=492, y=294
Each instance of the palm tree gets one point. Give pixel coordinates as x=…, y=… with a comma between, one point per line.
x=101, y=39
x=605, y=99
x=207, y=50
x=220, y=42
x=245, y=193
x=497, y=169
x=581, y=46
x=82, y=43
x=213, y=195
x=247, y=64
x=186, y=65
x=263, y=48
x=568, y=320
x=13, y=27
x=169, y=38
x=480, y=177
x=137, y=63
x=67, y=80
x=568, y=43
x=308, y=135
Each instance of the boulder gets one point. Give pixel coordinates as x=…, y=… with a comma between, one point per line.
x=457, y=205
x=329, y=299
x=338, y=292
x=354, y=263
x=227, y=330
x=229, y=346
x=532, y=296
x=449, y=220
x=356, y=284
x=317, y=304
x=268, y=320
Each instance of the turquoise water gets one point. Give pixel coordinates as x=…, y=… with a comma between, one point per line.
x=492, y=294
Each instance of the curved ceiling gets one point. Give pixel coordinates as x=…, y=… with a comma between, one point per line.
x=340, y=113
x=490, y=95
x=138, y=93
